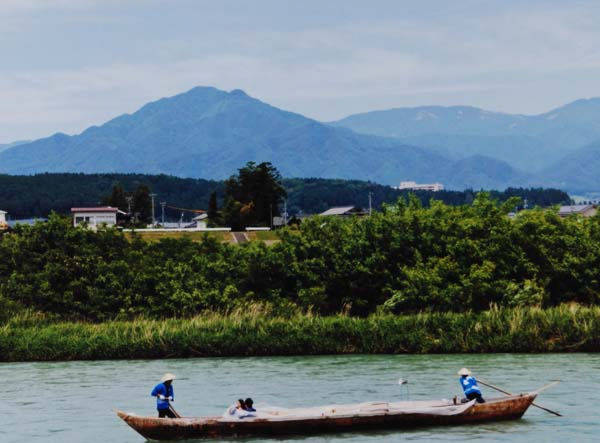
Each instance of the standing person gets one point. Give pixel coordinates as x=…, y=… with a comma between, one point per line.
x=469, y=385
x=164, y=395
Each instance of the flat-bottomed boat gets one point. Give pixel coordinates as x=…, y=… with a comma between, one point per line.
x=333, y=418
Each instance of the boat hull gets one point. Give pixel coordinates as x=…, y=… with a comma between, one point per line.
x=505, y=408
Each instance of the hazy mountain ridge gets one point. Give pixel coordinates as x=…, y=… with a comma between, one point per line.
x=521, y=151
x=210, y=133
x=579, y=171
x=5, y=146
x=481, y=172
x=529, y=143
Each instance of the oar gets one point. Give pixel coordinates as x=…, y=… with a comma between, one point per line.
x=174, y=411
x=533, y=404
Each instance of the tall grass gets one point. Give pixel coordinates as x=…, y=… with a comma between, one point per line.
x=566, y=328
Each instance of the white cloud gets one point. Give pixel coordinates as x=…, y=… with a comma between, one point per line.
x=23, y=7
x=523, y=59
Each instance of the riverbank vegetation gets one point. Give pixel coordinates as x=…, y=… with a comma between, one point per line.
x=252, y=332
x=405, y=259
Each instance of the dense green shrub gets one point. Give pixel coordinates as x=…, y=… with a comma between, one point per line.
x=407, y=258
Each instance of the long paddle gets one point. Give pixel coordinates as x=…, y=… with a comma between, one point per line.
x=174, y=411
x=533, y=404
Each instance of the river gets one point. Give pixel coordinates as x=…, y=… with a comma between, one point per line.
x=73, y=401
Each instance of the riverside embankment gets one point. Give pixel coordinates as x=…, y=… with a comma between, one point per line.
x=567, y=328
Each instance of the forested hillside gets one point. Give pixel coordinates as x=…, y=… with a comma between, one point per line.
x=38, y=195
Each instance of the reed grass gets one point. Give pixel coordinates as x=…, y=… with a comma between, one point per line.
x=252, y=332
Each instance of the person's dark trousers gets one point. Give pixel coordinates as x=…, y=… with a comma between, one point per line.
x=475, y=395
x=165, y=413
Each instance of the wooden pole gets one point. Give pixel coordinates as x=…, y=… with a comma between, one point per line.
x=174, y=411
x=533, y=404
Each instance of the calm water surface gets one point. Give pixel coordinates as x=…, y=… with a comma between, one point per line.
x=73, y=402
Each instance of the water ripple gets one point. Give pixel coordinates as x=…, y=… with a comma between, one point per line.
x=73, y=401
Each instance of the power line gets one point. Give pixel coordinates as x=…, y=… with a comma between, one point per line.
x=199, y=211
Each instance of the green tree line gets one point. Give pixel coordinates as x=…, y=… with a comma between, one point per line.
x=404, y=259
x=38, y=195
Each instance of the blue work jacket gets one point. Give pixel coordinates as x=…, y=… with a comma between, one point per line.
x=469, y=385
x=162, y=389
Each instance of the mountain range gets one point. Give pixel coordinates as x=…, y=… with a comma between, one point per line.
x=461, y=129
x=10, y=145
x=209, y=133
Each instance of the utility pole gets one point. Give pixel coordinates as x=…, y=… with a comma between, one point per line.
x=129, y=199
x=370, y=208
x=162, y=205
x=285, y=213
x=153, y=220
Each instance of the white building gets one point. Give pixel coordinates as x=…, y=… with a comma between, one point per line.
x=95, y=217
x=584, y=210
x=3, y=224
x=421, y=187
x=199, y=222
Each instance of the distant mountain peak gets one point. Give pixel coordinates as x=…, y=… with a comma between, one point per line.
x=582, y=104
x=238, y=93
x=209, y=133
x=201, y=89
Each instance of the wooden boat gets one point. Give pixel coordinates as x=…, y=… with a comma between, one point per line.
x=336, y=418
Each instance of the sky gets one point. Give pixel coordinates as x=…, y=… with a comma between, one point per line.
x=68, y=64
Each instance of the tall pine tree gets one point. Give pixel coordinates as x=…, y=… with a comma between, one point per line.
x=213, y=209
x=142, y=203
x=117, y=198
x=253, y=196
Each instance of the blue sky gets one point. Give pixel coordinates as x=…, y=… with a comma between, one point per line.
x=69, y=64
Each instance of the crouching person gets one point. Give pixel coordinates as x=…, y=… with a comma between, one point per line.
x=469, y=385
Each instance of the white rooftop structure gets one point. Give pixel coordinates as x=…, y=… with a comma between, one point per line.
x=421, y=186
x=339, y=210
x=585, y=210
